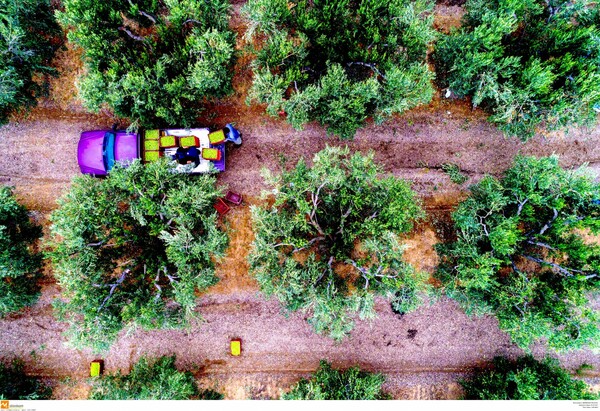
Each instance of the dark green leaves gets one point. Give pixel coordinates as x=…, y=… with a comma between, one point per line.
x=530, y=64
x=522, y=253
x=29, y=36
x=132, y=249
x=19, y=266
x=15, y=385
x=339, y=62
x=152, y=62
x=151, y=380
x=330, y=242
x=525, y=379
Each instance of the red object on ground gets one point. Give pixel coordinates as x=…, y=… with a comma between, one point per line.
x=221, y=207
x=233, y=198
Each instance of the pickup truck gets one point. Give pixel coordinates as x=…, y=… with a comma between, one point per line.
x=195, y=151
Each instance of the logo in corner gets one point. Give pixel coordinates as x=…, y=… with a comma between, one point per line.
x=4, y=404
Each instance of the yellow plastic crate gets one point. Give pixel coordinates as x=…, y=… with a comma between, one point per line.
x=151, y=135
x=95, y=368
x=168, y=141
x=236, y=348
x=189, y=141
x=151, y=155
x=151, y=145
x=211, y=154
x=216, y=137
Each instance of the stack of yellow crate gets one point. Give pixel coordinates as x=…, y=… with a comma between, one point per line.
x=151, y=145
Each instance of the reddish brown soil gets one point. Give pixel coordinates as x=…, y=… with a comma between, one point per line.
x=422, y=353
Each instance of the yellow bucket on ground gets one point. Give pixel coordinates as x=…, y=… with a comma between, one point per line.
x=236, y=348
x=95, y=368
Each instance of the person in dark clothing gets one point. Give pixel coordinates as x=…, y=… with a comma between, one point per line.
x=191, y=154
x=180, y=156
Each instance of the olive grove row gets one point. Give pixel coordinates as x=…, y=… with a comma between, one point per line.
x=530, y=64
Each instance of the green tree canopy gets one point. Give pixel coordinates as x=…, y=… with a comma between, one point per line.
x=132, y=249
x=29, y=36
x=15, y=385
x=523, y=252
x=19, y=266
x=525, y=379
x=151, y=380
x=330, y=242
x=151, y=61
x=330, y=384
x=529, y=63
x=340, y=61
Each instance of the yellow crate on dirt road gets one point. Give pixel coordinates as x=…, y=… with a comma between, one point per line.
x=236, y=347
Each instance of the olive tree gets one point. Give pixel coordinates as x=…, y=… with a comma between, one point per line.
x=19, y=265
x=29, y=36
x=339, y=61
x=330, y=241
x=529, y=63
x=132, y=250
x=525, y=251
x=151, y=61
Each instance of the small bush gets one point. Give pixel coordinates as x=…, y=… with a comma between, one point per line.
x=331, y=241
x=330, y=384
x=454, y=173
x=152, y=62
x=131, y=250
x=339, y=61
x=521, y=254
